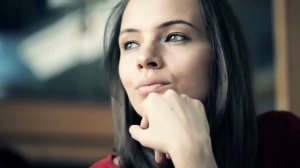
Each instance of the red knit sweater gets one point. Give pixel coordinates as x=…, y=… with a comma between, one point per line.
x=105, y=163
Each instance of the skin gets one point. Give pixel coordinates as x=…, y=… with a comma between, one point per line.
x=164, y=68
x=181, y=130
x=183, y=63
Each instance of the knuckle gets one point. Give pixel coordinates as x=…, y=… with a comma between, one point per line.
x=170, y=92
x=151, y=95
x=151, y=98
x=198, y=103
x=183, y=95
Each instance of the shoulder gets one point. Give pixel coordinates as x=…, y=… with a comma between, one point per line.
x=281, y=124
x=278, y=139
x=105, y=163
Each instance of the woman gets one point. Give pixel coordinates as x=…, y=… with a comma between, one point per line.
x=181, y=88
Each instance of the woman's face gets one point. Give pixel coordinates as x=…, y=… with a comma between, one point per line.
x=164, y=45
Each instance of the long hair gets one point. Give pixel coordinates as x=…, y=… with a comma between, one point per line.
x=230, y=107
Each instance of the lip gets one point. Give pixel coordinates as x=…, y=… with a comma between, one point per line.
x=148, y=86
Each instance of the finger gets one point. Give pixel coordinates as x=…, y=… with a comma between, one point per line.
x=144, y=123
x=136, y=132
x=170, y=92
x=143, y=136
x=184, y=95
x=159, y=157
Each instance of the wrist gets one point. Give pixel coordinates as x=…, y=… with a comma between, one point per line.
x=193, y=153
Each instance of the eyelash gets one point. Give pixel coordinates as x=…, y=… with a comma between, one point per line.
x=168, y=39
x=125, y=44
x=176, y=34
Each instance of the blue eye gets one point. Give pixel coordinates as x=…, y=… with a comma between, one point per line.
x=129, y=45
x=176, y=37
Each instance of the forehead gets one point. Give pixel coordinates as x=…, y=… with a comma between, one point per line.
x=144, y=13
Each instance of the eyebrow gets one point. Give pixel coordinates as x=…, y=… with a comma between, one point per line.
x=163, y=25
x=173, y=22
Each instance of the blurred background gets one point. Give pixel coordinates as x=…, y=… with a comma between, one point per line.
x=54, y=104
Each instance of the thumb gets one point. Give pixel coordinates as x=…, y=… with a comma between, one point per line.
x=137, y=132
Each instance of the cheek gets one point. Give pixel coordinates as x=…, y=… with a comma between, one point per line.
x=122, y=74
x=127, y=76
x=194, y=75
x=125, y=69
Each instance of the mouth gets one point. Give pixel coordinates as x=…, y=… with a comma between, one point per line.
x=145, y=88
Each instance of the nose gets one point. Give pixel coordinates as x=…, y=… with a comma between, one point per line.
x=150, y=58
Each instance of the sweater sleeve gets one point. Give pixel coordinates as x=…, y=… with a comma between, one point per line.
x=105, y=163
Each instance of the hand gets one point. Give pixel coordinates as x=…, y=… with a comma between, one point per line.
x=175, y=125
